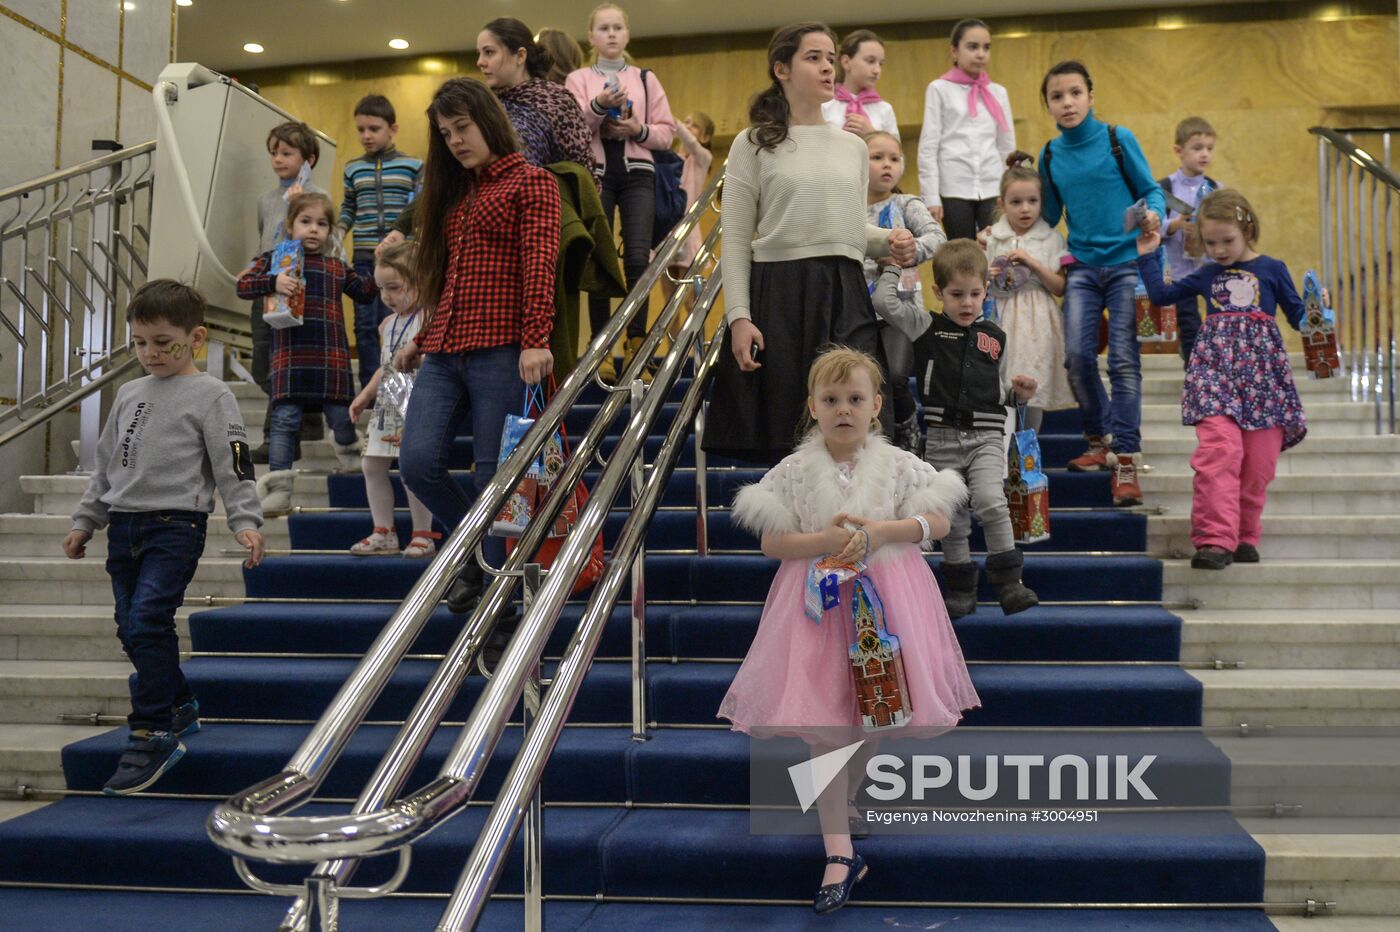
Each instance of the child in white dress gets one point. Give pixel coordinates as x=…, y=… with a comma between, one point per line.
x=393, y=273
x=1027, y=259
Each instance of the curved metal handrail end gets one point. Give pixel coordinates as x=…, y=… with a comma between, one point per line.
x=311, y=839
x=254, y=882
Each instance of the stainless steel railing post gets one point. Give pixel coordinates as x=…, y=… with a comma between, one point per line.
x=639, y=590
x=1389, y=294
x=322, y=904
x=483, y=866
x=534, y=814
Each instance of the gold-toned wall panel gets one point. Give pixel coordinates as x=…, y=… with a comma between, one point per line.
x=1262, y=84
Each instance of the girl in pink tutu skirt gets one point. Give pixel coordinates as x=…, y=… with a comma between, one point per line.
x=846, y=491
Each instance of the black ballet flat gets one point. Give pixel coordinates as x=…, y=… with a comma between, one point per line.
x=860, y=828
x=834, y=895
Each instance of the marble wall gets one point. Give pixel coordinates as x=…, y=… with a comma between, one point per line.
x=71, y=71
x=75, y=71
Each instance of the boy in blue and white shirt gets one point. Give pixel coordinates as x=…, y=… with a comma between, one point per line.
x=1189, y=184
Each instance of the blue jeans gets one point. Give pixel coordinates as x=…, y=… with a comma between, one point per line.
x=368, y=317
x=151, y=557
x=1088, y=291
x=286, y=425
x=484, y=385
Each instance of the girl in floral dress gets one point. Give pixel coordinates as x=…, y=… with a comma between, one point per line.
x=1239, y=389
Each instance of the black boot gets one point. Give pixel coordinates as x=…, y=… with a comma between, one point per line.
x=1004, y=572
x=498, y=641
x=961, y=579
x=466, y=589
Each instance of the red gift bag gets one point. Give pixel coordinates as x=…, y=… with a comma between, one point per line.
x=548, y=550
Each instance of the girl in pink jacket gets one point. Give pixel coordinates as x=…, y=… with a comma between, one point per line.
x=626, y=109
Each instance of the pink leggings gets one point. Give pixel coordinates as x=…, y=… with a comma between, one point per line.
x=1233, y=470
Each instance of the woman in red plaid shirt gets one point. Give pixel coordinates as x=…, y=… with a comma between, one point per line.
x=488, y=239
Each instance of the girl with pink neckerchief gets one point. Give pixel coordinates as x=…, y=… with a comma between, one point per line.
x=966, y=138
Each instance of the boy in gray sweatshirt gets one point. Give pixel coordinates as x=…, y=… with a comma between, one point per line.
x=170, y=439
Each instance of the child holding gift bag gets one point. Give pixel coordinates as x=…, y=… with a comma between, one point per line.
x=846, y=492
x=310, y=362
x=1239, y=392
x=393, y=273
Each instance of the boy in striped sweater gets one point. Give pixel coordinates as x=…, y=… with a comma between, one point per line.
x=378, y=186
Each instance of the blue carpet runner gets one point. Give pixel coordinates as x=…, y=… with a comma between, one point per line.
x=702, y=617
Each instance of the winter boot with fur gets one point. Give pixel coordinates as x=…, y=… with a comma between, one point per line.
x=1004, y=572
x=961, y=598
x=347, y=457
x=275, y=493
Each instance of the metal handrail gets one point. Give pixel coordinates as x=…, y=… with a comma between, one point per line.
x=493, y=844
x=1360, y=156
x=52, y=409
x=84, y=168
x=428, y=713
x=248, y=824
x=70, y=256
x=1357, y=232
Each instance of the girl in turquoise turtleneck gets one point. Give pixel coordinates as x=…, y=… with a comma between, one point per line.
x=1094, y=173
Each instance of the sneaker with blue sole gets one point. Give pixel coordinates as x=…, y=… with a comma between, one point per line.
x=185, y=719
x=147, y=757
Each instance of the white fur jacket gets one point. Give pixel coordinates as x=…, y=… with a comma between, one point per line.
x=803, y=492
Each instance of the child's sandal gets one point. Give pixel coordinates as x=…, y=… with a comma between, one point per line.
x=422, y=545
x=383, y=540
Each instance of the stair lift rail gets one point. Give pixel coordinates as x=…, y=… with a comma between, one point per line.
x=250, y=824
x=1356, y=225
x=519, y=791
x=72, y=250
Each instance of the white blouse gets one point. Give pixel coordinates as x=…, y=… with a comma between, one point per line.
x=962, y=156
x=880, y=113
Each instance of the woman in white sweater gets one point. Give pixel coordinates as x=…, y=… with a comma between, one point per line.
x=966, y=138
x=794, y=238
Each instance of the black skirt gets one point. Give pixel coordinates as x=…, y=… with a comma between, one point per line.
x=801, y=307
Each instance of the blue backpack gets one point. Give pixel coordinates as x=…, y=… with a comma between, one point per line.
x=670, y=196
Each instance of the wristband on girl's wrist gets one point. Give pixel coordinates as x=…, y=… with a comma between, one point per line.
x=924, y=528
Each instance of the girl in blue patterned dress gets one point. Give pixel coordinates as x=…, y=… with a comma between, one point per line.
x=1239, y=391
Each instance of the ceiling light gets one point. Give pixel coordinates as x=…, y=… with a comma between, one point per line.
x=398, y=44
x=184, y=2
x=253, y=47
x=128, y=6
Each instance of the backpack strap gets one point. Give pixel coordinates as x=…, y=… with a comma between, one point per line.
x=1117, y=149
x=646, y=107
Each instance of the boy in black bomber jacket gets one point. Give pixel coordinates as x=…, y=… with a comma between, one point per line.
x=957, y=359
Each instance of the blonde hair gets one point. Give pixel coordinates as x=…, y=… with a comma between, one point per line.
x=305, y=201
x=706, y=124
x=593, y=15
x=398, y=257
x=836, y=365
x=1229, y=206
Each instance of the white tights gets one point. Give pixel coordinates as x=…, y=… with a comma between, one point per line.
x=380, y=492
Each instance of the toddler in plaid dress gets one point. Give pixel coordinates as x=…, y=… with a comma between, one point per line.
x=311, y=362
